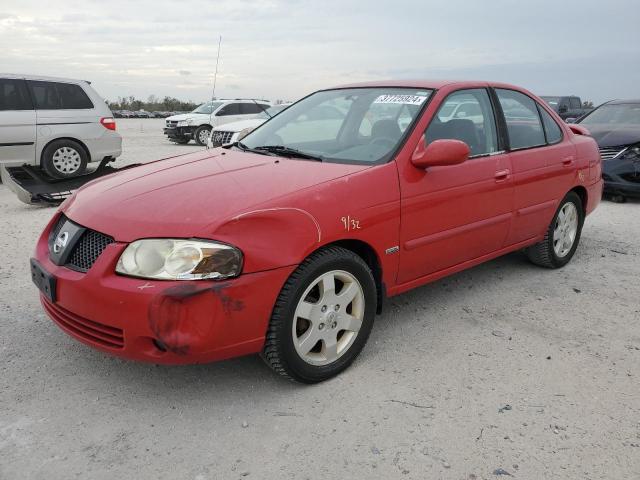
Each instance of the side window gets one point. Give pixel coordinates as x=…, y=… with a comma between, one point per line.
x=252, y=108
x=73, y=97
x=229, y=109
x=59, y=96
x=466, y=115
x=523, y=121
x=14, y=95
x=551, y=128
x=45, y=95
x=574, y=102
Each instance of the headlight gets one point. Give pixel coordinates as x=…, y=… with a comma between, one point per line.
x=244, y=133
x=184, y=123
x=166, y=259
x=632, y=152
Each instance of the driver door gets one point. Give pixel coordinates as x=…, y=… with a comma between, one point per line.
x=455, y=214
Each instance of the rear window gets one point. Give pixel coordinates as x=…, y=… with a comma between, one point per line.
x=59, y=96
x=14, y=95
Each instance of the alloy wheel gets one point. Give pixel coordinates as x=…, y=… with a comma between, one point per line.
x=566, y=229
x=328, y=317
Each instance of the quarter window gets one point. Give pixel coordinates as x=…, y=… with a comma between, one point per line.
x=252, y=108
x=59, y=96
x=14, y=95
x=466, y=115
x=523, y=121
x=551, y=128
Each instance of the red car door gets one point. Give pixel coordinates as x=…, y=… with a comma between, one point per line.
x=540, y=160
x=454, y=214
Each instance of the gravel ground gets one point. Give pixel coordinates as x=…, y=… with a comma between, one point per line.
x=504, y=368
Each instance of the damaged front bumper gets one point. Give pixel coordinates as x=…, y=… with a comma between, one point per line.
x=168, y=322
x=622, y=176
x=179, y=133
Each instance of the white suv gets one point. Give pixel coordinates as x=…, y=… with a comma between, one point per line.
x=197, y=125
x=56, y=123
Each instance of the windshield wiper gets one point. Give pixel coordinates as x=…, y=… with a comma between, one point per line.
x=244, y=148
x=289, y=152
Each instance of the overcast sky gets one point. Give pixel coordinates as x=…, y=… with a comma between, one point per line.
x=283, y=49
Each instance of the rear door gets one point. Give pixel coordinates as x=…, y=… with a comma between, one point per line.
x=454, y=214
x=538, y=157
x=231, y=112
x=17, y=122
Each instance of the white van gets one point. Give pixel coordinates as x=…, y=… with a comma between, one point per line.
x=56, y=123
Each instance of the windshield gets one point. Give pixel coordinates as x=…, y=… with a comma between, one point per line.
x=356, y=125
x=272, y=111
x=625, y=114
x=207, y=108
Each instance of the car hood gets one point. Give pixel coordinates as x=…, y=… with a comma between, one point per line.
x=241, y=125
x=185, y=116
x=187, y=196
x=614, y=135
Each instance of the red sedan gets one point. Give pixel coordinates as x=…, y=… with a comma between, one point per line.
x=287, y=242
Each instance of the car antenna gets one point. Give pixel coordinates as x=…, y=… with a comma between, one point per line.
x=215, y=77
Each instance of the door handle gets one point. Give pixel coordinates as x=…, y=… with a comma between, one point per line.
x=567, y=161
x=502, y=175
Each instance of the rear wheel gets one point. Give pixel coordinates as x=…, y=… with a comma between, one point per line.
x=201, y=135
x=322, y=317
x=563, y=235
x=64, y=159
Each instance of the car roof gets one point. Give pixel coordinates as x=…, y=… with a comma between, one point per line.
x=429, y=84
x=41, y=77
x=622, y=102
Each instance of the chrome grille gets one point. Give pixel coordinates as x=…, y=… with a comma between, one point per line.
x=220, y=137
x=172, y=123
x=87, y=250
x=607, y=153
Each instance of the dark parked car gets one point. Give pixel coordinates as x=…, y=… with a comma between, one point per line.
x=615, y=126
x=567, y=107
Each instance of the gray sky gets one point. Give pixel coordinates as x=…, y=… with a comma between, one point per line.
x=287, y=48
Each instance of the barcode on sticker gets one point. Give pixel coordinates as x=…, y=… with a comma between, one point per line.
x=405, y=99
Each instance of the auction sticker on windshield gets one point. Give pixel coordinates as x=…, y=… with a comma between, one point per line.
x=405, y=99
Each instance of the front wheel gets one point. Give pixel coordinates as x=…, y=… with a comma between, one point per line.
x=201, y=135
x=322, y=317
x=563, y=235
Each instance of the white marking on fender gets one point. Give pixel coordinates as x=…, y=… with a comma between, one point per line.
x=284, y=208
x=146, y=285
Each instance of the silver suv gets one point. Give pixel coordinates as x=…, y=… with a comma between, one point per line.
x=56, y=123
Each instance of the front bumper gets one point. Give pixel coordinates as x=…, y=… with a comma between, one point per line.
x=169, y=322
x=179, y=132
x=621, y=177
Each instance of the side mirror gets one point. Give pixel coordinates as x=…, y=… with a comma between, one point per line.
x=439, y=153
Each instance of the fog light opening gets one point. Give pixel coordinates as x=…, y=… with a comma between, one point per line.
x=159, y=345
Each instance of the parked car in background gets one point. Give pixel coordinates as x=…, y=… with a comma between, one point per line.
x=615, y=126
x=233, y=132
x=287, y=243
x=56, y=123
x=568, y=107
x=198, y=124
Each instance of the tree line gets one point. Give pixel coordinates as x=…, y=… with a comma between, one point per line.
x=153, y=104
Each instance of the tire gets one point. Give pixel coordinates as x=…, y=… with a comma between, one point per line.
x=64, y=159
x=553, y=251
x=180, y=141
x=201, y=135
x=303, y=293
